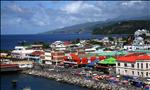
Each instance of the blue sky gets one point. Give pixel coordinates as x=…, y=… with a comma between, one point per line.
x=31, y=17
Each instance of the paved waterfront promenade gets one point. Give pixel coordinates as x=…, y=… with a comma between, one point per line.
x=66, y=76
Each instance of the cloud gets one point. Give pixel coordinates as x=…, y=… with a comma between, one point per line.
x=43, y=17
x=16, y=8
x=130, y=3
x=79, y=6
x=73, y=7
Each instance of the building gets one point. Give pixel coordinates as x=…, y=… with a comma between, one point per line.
x=48, y=57
x=37, y=56
x=136, y=47
x=21, y=52
x=58, y=45
x=37, y=46
x=137, y=64
x=57, y=57
x=3, y=55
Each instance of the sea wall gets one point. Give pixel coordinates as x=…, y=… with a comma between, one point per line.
x=80, y=81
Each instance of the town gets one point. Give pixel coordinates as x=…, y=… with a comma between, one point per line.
x=111, y=62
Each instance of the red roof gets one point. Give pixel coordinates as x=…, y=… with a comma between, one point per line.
x=67, y=43
x=133, y=58
x=37, y=53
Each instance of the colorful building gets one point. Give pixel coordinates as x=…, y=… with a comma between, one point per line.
x=57, y=56
x=137, y=64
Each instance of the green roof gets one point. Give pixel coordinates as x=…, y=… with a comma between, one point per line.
x=112, y=53
x=110, y=60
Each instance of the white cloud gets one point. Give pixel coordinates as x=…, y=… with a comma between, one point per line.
x=73, y=7
x=130, y=3
x=16, y=8
x=79, y=7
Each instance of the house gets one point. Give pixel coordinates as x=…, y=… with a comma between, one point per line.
x=58, y=45
x=21, y=52
x=138, y=42
x=136, y=64
x=36, y=56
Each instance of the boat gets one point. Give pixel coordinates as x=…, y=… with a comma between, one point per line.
x=26, y=88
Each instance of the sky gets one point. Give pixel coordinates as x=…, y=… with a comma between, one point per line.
x=31, y=17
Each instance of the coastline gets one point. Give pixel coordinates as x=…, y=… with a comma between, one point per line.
x=77, y=80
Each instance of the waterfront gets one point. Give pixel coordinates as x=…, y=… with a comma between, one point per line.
x=35, y=83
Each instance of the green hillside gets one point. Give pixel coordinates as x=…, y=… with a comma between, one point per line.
x=122, y=27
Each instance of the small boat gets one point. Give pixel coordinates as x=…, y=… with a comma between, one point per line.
x=26, y=88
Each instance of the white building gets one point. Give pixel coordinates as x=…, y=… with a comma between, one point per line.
x=94, y=49
x=136, y=47
x=58, y=45
x=133, y=65
x=48, y=57
x=21, y=52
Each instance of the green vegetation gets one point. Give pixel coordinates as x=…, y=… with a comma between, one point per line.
x=123, y=27
x=4, y=51
x=95, y=43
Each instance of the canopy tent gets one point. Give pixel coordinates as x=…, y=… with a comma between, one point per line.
x=84, y=60
x=109, y=61
x=77, y=59
x=93, y=63
x=93, y=58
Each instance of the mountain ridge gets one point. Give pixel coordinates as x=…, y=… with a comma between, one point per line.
x=89, y=27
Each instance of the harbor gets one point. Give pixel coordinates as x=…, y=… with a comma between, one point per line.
x=97, y=64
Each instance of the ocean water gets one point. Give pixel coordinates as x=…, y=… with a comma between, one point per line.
x=8, y=42
x=34, y=82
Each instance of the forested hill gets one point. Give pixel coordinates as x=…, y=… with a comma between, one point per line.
x=122, y=27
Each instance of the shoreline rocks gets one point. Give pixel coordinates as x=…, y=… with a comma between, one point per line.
x=78, y=80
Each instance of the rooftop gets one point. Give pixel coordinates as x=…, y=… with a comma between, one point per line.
x=132, y=58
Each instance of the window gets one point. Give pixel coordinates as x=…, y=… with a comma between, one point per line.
x=132, y=72
x=142, y=74
x=118, y=64
x=138, y=73
x=125, y=71
x=146, y=73
x=137, y=65
x=119, y=71
x=141, y=65
x=125, y=64
x=132, y=65
x=146, y=65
